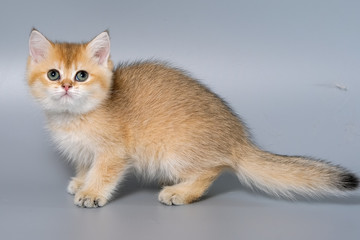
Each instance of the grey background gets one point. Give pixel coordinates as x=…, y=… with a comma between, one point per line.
x=276, y=62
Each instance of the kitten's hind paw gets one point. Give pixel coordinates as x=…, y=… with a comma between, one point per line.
x=170, y=197
x=184, y=193
x=89, y=200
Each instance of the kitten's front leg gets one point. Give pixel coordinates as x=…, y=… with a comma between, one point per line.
x=100, y=181
x=77, y=182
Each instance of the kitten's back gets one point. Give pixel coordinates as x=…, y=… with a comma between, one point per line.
x=164, y=104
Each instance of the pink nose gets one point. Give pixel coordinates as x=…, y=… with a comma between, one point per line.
x=66, y=86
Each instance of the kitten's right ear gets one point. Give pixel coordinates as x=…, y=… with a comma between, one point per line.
x=38, y=46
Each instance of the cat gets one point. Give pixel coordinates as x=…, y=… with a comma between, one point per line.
x=157, y=121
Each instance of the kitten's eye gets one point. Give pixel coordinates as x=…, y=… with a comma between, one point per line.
x=53, y=75
x=81, y=76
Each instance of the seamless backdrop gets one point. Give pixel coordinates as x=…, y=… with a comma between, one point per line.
x=289, y=68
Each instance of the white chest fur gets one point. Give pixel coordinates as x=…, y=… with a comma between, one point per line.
x=74, y=143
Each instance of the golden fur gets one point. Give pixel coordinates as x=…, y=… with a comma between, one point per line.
x=158, y=121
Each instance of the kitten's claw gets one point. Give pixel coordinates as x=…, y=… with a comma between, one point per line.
x=89, y=200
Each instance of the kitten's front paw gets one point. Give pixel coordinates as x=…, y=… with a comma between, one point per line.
x=74, y=186
x=89, y=200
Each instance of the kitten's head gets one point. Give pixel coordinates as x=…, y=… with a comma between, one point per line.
x=68, y=77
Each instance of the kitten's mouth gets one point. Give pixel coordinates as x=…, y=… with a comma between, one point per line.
x=66, y=95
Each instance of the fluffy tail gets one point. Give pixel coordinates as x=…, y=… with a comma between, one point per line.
x=291, y=175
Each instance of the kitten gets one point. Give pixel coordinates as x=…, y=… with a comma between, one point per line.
x=158, y=121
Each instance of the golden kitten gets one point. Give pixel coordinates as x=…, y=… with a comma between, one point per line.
x=158, y=121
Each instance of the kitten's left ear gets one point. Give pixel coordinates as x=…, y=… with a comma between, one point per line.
x=99, y=48
x=38, y=46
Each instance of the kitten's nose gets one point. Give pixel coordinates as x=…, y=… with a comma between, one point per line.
x=66, y=86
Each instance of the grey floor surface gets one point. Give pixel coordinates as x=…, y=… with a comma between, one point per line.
x=290, y=68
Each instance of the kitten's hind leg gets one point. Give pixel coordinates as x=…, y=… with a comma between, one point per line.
x=77, y=182
x=188, y=190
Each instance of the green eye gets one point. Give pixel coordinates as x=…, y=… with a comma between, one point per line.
x=53, y=75
x=81, y=76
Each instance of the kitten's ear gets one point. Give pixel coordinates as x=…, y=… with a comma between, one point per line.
x=39, y=46
x=99, y=48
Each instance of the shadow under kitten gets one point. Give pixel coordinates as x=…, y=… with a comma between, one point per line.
x=227, y=182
